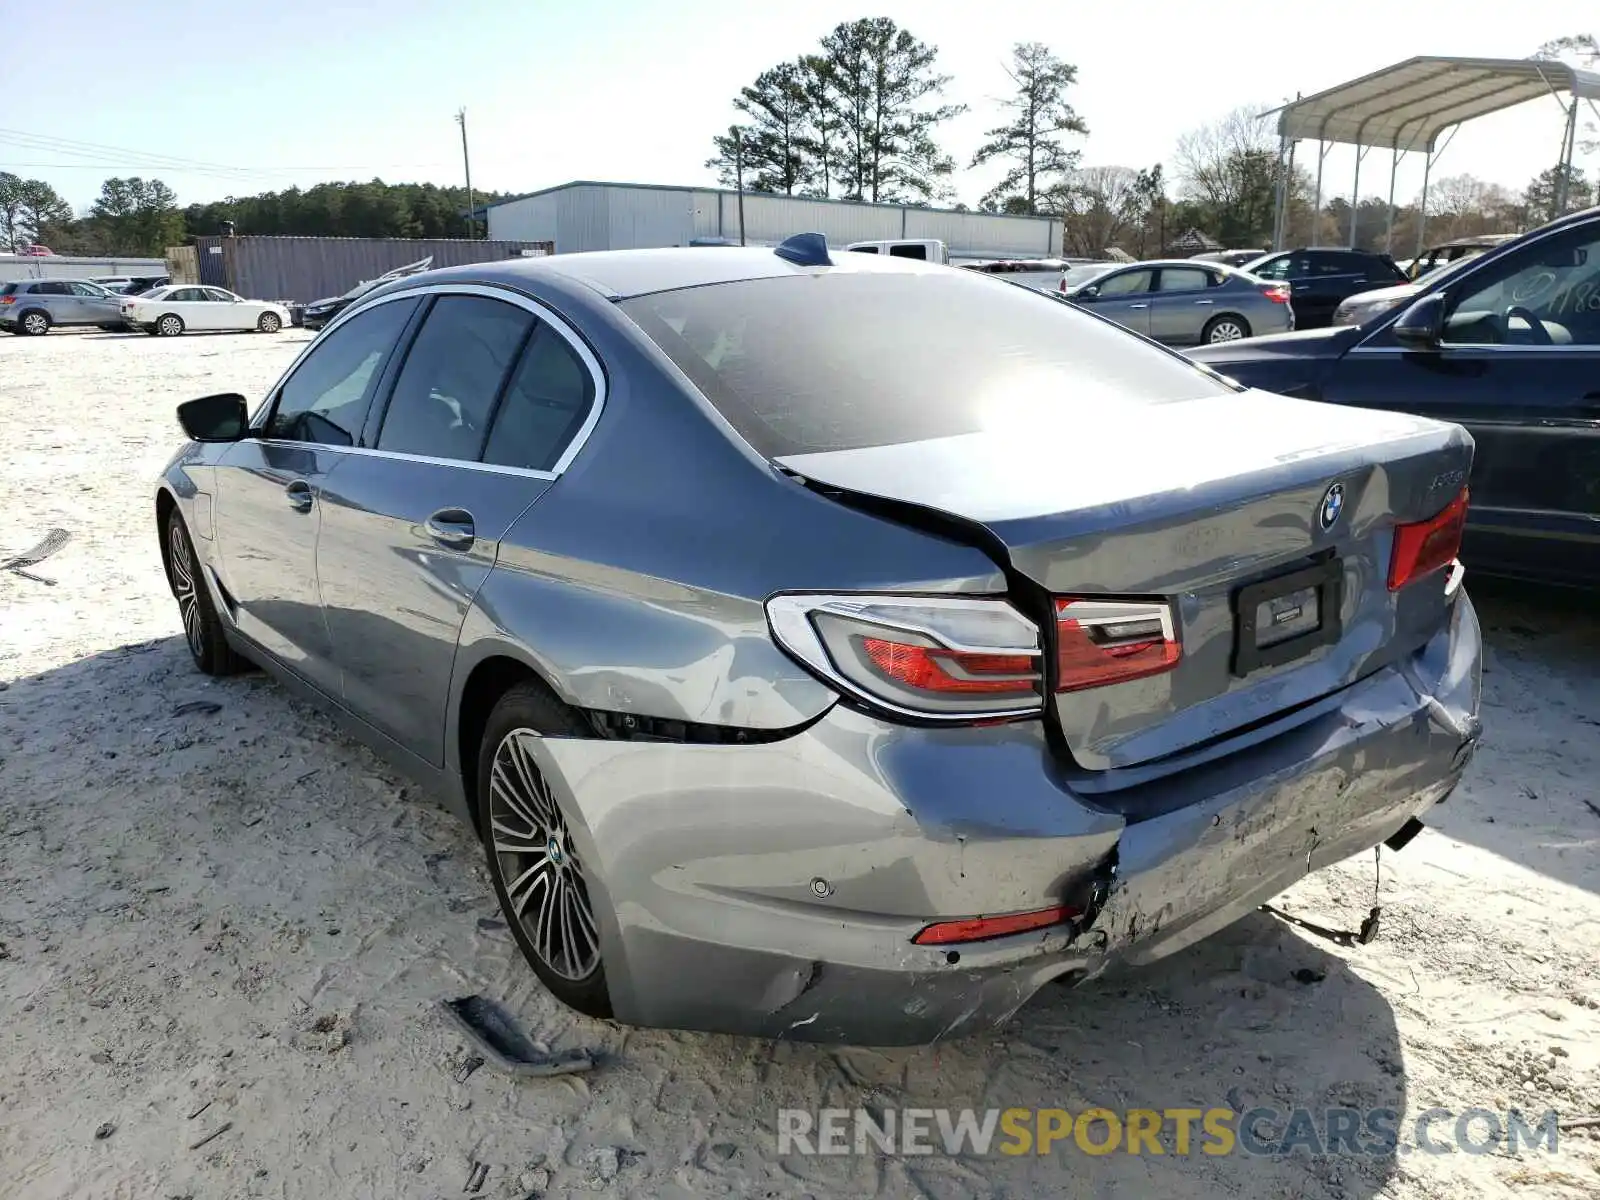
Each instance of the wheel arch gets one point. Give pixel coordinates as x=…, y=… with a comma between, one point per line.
x=166, y=505
x=486, y=681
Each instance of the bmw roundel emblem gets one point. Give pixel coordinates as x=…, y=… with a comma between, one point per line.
x=1332, y=505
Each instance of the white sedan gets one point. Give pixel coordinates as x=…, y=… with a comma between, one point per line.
x=185, y=307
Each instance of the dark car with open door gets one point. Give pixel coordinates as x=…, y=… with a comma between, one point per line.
x=1507, y=345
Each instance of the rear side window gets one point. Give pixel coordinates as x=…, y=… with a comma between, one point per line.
x=1185, y=279
x=445, y=394
x=544, y=406
x=327, y=397
x=909, y=252
x=51, y=289
x=844, y=359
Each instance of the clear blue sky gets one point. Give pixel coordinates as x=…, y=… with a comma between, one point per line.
x=302, y=91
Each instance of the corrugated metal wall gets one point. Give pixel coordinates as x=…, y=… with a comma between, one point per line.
x=590, y=216
x=63, y=266
x=308, y=268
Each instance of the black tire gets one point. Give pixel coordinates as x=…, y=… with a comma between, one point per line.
x=34, y=323
x=269, y=323
x=529, y=707
x=169, y=325
x=1222, y=322
x=202, y=627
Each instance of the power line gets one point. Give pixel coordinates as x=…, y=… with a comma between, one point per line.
x=124, y=157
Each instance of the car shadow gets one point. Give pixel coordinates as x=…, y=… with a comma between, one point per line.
x=1529, y=795
x=231, y=809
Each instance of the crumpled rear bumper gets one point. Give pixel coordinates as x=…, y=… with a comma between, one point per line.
x=774, y=889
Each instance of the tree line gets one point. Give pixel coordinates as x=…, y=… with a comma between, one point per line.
x=858, y=118
x=136, y=217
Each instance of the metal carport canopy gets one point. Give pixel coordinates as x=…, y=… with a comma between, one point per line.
x=1406, y=106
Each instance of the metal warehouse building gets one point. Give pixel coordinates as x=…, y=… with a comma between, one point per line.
x=627, y=216
x=308, y=268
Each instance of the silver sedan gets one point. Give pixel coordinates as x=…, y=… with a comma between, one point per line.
x=830, y=646
x=1187, y=303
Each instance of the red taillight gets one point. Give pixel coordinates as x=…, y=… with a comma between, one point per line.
x=944, y=933
x=1276, y=292
x=954, y=672
x=1100, y=642
x=1062, y=287
x=1423, y=547
x=8, y=299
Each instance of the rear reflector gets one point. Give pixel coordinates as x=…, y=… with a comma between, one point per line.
x=1423, y=547
x=1277, y=292
x=978, y=929
x=1101, y=642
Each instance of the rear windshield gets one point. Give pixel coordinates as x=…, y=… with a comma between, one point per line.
x=7, y=289
x=846, y=359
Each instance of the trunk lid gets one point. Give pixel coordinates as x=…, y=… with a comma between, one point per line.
x=1191, y=502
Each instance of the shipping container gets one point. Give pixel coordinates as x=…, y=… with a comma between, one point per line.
x=302, y=269
x=626, y=216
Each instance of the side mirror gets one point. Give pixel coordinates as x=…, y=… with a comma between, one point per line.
x=220, y=418
x=1087, y=292
x=1421, y=327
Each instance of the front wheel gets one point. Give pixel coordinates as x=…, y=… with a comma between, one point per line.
x=1224, y=329
x=170, y=325
x=202, y=627
x=269, y=323
x=538, y=876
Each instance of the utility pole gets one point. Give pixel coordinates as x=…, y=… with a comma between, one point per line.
x=738, y=172
x=472, y=224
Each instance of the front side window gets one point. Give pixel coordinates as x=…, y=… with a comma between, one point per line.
x=1128, y=283
x=1277, y=268
x=846, y=359
x=544, y=405
x=219, y=296
x=327, y=397
x=85, y=289
x=453, y=372
x=188, y=295
x=909, y=252
x=1544, y=294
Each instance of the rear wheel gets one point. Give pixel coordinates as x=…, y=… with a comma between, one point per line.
x=269, y=323
x=170, y=325
x=202, y=628
x=538, y=876
x=1225, y=329
x=34, y=323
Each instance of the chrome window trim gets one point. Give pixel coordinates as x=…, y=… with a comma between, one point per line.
x=399, y=456
x=1478, y=347
x=541, y=312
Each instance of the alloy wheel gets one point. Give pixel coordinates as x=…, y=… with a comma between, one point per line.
x=183, y=587
x=1226, y=331
x=35, y=324
x=171, y=326
x=538, y=863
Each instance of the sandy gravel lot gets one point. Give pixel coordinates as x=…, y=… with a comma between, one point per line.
x=225, y=913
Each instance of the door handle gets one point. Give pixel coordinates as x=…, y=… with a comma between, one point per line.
x=1205, y=301
x=452, y=528
x=299, y=495
x=1133, y=306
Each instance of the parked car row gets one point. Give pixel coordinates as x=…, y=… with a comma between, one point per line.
x=33, y=307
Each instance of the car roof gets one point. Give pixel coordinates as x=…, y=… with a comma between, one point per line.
x=620, y=274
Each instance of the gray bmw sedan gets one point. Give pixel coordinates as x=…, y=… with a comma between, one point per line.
x=836, y=647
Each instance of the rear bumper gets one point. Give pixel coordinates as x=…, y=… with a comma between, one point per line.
x=774, y=889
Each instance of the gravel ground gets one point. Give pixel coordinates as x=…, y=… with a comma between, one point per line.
x=216, y=913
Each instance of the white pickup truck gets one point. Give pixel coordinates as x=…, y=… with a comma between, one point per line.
x=926, y=249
